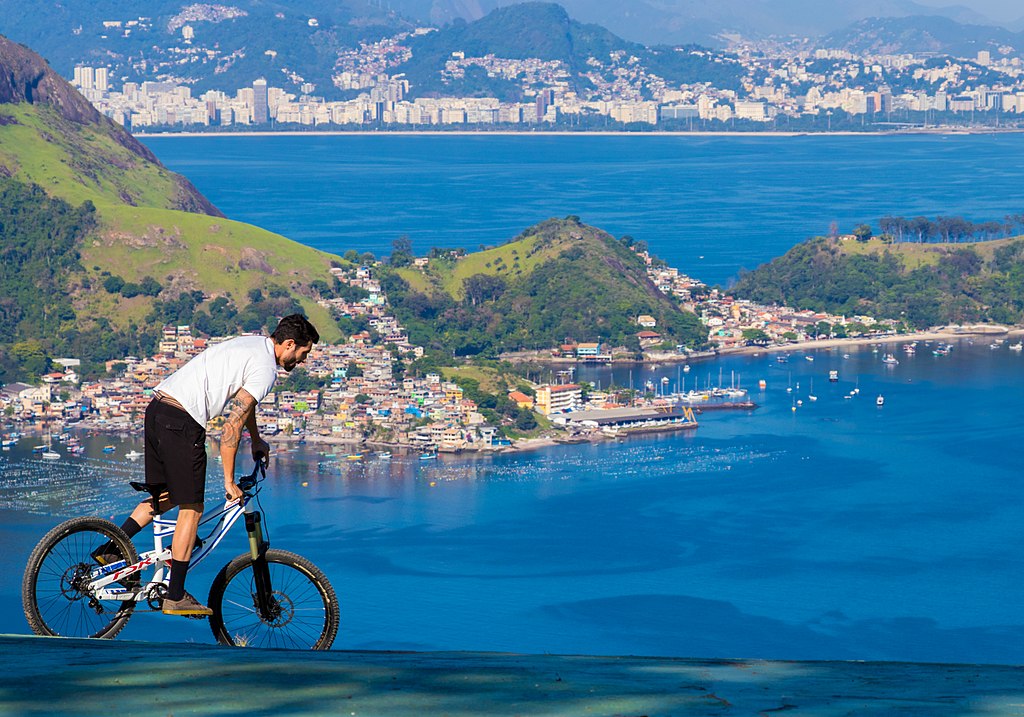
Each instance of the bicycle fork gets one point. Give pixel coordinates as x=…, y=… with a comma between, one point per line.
x=266, y=605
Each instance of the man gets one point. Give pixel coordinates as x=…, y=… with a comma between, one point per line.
x=232, y=376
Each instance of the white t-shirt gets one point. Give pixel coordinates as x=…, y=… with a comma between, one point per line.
x=205, y=384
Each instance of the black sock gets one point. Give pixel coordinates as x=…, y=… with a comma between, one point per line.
x=130, y=527
x=176, y=587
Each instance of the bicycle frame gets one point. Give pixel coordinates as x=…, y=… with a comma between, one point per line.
x=105, y=583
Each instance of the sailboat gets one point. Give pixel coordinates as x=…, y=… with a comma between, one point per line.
x=49, y=453
x=880, y=401
x=810, y=394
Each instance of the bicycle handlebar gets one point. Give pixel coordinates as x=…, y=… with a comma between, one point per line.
x=249, y=482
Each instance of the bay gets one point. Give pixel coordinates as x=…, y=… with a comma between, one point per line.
x=710, y=206
x=840, y=530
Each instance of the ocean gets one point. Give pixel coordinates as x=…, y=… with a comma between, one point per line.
x=839, y=530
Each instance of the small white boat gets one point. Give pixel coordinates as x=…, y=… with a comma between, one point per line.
x=1017, y=346
x=686, y=368
x=384, y=455
x=833, y=375
x=133, y=454
x=809, y=358
x=51, y=455
x=890, y=360
x=428, y=456
x=880, y=401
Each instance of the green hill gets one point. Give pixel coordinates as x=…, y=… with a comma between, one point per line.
x=927, y=284
x=558, y=280
x=83, y=195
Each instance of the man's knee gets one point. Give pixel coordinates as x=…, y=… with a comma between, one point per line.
x=190, y=507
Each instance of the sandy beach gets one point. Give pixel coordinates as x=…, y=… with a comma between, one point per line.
x=587, y=133
x=947, y=333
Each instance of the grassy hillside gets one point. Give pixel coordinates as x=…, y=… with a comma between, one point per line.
x=559, y=280
x=139, y=234
x=927, y=284
x=138, y=245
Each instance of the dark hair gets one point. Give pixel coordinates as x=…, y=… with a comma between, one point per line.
x=297, y=328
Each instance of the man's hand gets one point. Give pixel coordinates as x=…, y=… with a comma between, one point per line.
x=260, y=448
x=232, y=491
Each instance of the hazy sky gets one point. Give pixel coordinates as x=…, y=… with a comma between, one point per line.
x=1003, y=10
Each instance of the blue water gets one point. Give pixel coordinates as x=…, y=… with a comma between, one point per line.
x=841, y=530
x=837, y=531
x=735, y=201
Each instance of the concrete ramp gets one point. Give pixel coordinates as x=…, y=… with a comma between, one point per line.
x=52, y=676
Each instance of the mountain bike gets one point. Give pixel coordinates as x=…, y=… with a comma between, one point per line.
x=263, y=598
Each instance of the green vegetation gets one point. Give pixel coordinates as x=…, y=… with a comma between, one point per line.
x=559, y=280
x=925, y=285
x=98, y=252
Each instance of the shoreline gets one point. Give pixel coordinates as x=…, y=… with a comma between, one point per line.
x=923, y=131
x=315, y=441
x=941, y=334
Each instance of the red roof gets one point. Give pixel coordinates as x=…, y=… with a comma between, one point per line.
x=649, y=335
x=566, y=387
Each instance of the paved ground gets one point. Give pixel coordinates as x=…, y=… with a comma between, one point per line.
x=48, y=676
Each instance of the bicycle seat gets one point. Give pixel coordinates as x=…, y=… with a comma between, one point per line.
x=155, y=490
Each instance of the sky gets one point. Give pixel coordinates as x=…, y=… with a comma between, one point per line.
x=999, y=10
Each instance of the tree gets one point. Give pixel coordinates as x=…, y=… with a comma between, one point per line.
x=756, y=336
x=401, y=252
x=863, y=232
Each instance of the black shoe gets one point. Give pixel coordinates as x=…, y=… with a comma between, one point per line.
x=105, y=555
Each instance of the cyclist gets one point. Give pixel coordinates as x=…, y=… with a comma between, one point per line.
x=232, y=376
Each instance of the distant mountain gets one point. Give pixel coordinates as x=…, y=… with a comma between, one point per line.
x=654, y=22
x=100, y=244
x=233, y=43
x=922, y=34
x=546, y=31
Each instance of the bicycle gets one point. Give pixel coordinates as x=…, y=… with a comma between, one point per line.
x=264, y=598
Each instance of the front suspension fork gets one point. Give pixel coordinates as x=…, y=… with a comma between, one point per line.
x=266, y=605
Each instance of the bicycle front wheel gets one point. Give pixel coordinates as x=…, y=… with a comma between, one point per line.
x=305, y=609
x=55, y=588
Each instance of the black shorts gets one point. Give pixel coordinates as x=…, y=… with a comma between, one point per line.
x=175, y=452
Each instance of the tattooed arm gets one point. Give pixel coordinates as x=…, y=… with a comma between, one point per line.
x=259, y=446
x=240, y=410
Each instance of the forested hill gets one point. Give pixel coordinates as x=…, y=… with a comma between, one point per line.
x=101, y=245
x=927, y=284
x=558, y=280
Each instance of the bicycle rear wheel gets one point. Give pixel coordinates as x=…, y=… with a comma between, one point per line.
x=54, y=589
x=305, y=615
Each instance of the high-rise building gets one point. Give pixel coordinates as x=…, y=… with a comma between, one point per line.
x=102, y=79
x=260, y=110
x=88, y=78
